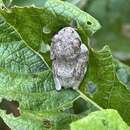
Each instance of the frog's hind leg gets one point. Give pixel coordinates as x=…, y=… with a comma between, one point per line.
x=76, y=85
x=57, y=84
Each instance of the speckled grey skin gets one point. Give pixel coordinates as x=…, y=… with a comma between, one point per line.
x=69, y=58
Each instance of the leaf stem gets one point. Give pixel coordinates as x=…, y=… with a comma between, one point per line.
x=89, y=100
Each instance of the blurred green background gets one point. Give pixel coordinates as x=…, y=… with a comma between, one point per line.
x=114, y=16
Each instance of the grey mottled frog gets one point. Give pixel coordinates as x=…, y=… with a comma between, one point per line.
x=69, y=58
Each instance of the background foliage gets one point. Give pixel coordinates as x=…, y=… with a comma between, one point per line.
x=114, y=18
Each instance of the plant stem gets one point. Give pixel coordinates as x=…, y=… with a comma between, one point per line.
x=89, y=100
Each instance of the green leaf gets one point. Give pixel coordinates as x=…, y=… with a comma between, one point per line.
x=34, y=91
x=26, y=78
x=101, y=120
x=37, y=25
x=103, y=85
x=14, y=55
x=39, y=121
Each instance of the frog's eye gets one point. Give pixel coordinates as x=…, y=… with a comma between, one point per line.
x=77, y=43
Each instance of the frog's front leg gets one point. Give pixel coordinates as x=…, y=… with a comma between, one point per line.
x=84, y=50
x=57, y=84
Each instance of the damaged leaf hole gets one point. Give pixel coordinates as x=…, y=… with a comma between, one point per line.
x=89, y=23
x=91, y=88
x=47, y=123
x=3, y=125
x=11, y=107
